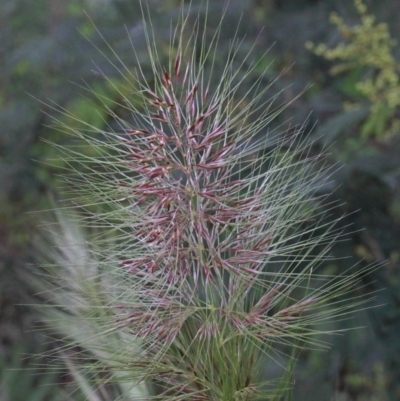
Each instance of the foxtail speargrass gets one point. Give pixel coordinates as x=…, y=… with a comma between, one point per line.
x=202, y=266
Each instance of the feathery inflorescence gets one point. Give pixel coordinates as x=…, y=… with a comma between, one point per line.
x=203, y=267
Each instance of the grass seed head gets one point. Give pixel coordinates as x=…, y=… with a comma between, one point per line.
x=209, y=272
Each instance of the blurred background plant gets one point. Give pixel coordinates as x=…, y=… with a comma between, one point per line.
x=19, y=382
x=368, y=55
x=43, y=36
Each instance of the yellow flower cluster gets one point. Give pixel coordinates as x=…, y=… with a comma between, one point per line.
x=368, y=46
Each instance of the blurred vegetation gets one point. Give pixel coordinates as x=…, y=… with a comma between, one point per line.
x=373, y=71
x=47, y=44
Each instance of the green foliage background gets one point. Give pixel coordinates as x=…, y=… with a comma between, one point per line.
x=47, y=44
